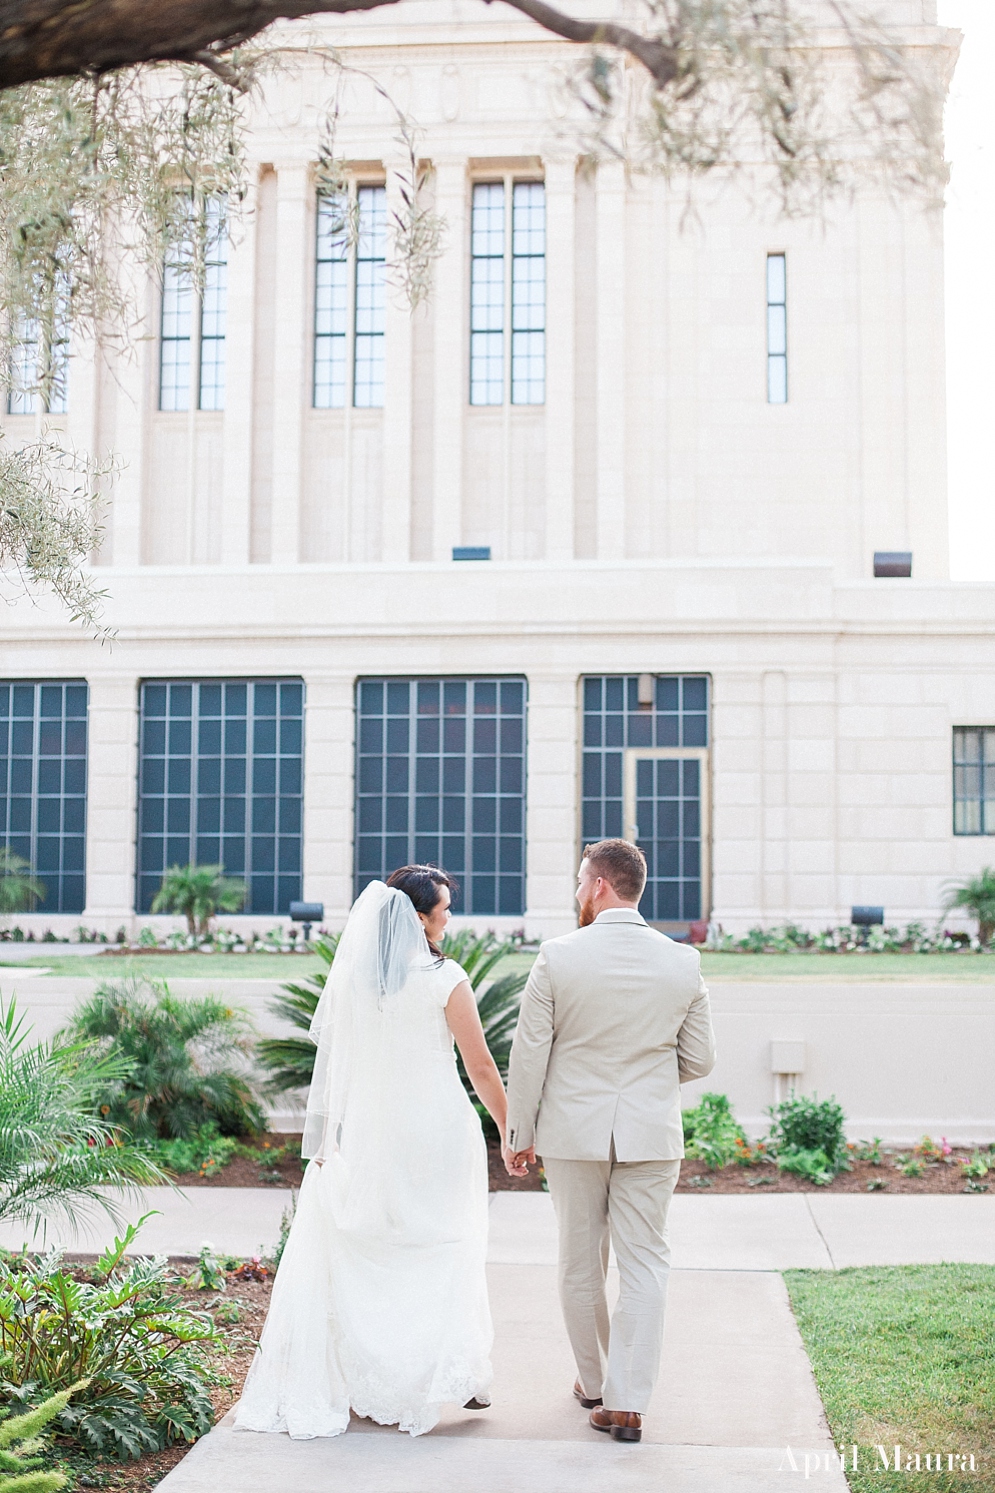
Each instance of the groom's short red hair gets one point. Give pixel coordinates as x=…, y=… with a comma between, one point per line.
x=622, y=865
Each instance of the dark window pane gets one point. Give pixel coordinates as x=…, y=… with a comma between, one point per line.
x=434, y=765
x=695, y=695
x=695, y=730
x=42, y=760
x=209, y=719
x=264, y=735
x=209, y=737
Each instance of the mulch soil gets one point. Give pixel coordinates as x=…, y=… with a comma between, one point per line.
x=764, y=1176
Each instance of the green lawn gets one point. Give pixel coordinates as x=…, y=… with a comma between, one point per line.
x=174, y=966
x=927, y=968
x=923, y=968
x=904, y=1356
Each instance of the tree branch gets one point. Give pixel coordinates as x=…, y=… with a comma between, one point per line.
x=655, y=55
x=70, y=38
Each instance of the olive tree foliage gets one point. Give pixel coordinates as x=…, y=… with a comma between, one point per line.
x=120, y=121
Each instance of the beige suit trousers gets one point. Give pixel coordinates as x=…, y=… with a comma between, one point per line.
x=626, y=1201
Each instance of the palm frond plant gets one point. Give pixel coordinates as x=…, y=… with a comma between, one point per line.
x=199, y=893
x=976, y=896
x=497, y=999
x=188, y=1062
x=289, y=1061
x=57, y=1156
x=19, y=890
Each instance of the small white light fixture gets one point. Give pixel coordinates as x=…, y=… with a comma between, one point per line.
x=645, y=691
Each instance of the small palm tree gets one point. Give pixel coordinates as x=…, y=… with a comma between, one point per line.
x=56, y=1155
x=199, y=893
x=19, y=890
x=290, y=1060
x=977, y=896
x=186, y=1061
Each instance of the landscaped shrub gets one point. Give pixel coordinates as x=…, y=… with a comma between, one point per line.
x=290, y=1060
x=206, y=1152
x=20, y=1465
x=199, y=893
x=127, y=1334
x=56, y=1155
x=977, y=896
x=711, y=1133
x=806, y=1137
x=188, y=1061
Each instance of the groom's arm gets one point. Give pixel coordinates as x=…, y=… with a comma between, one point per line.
x=696, y=1040
x=530, y=1057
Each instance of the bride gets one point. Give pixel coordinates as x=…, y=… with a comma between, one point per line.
x=380, y=1303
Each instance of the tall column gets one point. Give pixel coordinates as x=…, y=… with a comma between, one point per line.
x=560, y=358
x=397, y=414
x=552, y=798
x=451, y=339
x=291, y=341
x=610, y=218
x=239, y=382
x=111, y=804
x=328, y=795
x=127, y=392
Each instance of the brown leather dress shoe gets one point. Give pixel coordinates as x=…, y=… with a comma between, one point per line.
x=621, y=1425
x=580, y=1395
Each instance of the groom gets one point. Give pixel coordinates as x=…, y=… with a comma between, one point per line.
x=614, y=1019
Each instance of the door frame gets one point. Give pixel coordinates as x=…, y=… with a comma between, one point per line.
x=630, y=828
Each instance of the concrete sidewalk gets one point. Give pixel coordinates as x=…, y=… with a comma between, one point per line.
x=735, y=1392
x=736, y=1388
x=782, y=1231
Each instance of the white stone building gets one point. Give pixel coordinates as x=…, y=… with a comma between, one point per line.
x=673, y=629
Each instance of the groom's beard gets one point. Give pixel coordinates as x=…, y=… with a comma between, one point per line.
x=587, y=914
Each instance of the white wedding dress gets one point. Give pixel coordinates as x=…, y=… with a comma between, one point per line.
x=380, y=1302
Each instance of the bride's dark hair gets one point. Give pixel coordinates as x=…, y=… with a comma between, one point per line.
x=422, y=884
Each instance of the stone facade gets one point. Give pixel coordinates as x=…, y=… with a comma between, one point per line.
x=654, y=516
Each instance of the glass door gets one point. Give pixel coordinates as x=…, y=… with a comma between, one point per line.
x=666, y=813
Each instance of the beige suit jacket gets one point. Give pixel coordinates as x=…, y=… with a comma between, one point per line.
x=614, y=1019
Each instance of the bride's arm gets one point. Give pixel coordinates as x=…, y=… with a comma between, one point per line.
x=464, y=1023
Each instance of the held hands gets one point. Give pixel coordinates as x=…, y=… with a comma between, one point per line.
x=516, y=1163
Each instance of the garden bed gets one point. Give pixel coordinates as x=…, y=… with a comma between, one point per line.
x=231, y=1358
x=764, y=1177
x=265, y=1170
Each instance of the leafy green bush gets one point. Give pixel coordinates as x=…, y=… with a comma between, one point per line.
x=56, y=1156
x=206, y=1151
x=813, y=1164
x=711, y=1133
x=139, y=1348
x=809, y=1124
x=188, y=1061
x=806, y=1137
